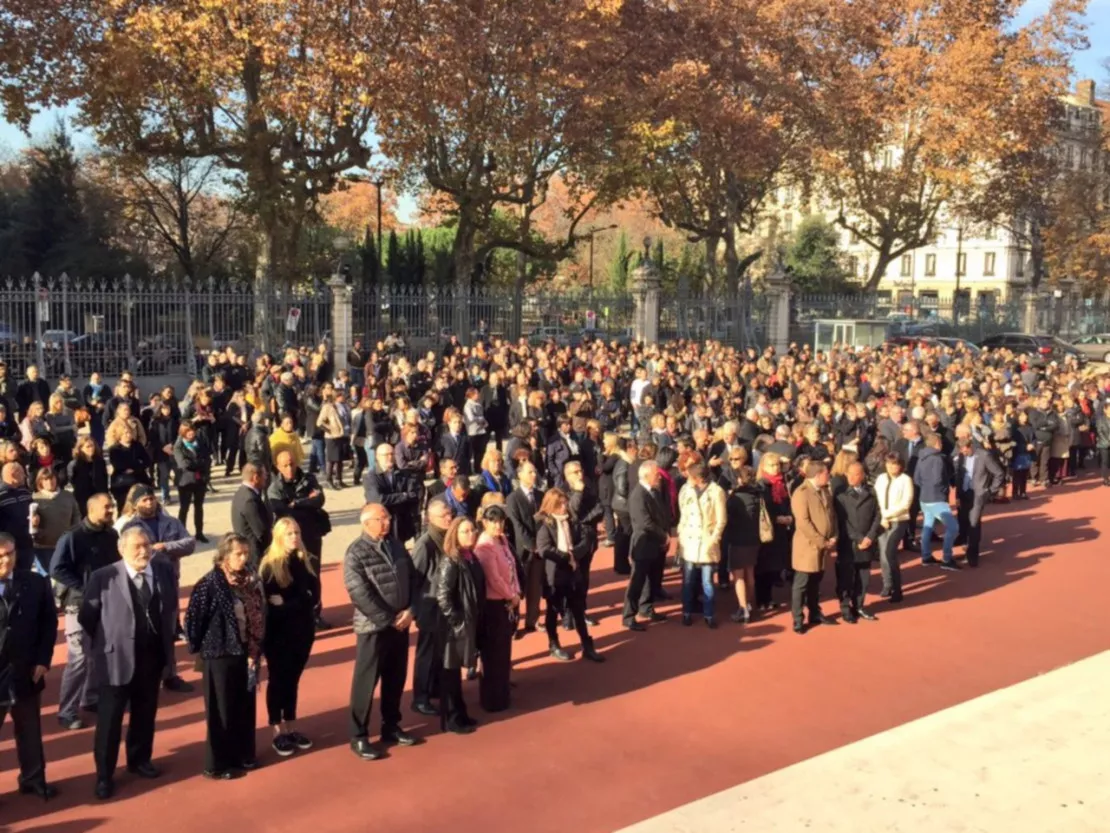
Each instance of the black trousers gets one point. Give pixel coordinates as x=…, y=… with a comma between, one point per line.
x=765, y=588
x=234, y=453
x=533, y=590
x=643, y=587
x=1021, y=482
x=622, y=541
x=970, y=515
x=378, y=656
x=805, y=594
x=496, y=647
x=26, y=715
x=571, y=598
x=452, y=707
x=287, y=654
x=140, y=697
x=1104, y=462
x=851, y=583
x=230, y=711
x=191, y=495
x=425, y=674
x=1041, y=456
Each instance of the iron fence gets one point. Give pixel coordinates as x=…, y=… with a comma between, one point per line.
x=739, y=319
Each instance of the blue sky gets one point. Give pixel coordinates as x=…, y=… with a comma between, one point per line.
x=1088, y=64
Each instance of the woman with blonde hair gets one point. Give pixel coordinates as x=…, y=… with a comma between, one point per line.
x=63, y=427
x=33, y=425
x=292, y=590
x=774, y=555
x=494, y=478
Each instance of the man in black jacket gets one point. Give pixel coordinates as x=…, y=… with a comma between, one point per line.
x=392, y=490
x=908, y=447
x=28, y=628
x=32, y=389
x=15, y=513
x=381, y=581
x=78, y=554
x=426, y=554
x=932, y=480
x=978, y=477
x=521, y=507
x=1044, y=420
x=858, y=524
x=586, y=509
x=455, y=445
x=495, y=405
x=649, y=546
x=256, y=442
x=250, y=516
x=295, y=494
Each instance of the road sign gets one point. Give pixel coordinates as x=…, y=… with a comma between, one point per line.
x=44, y=305
x=591, y=320
x=293, y=319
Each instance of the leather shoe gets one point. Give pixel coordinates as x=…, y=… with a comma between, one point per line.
x=821, y=619
x=895, y=598
x=460, y=729
x=634, y=626
x=870, y=617
x=249, y=766
x=365, y=749
x=591, y=654
x=591, y=621
x=40, y=788
x=426, y=709
x=177, y=684
x=399, y=738
x=799, y=627
x=657, y=617
x=848, y=617
x=523, y=632
x=147, y=770
x=105, y=789
x=687, y=620
x=223, y=774
x=561, y=655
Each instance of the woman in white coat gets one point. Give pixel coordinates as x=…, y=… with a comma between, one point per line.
x=702, y=518
x=894, y=489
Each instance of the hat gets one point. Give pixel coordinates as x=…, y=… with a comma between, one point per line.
x=140, y=491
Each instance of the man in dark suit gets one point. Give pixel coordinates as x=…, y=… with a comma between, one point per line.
x=561, y=450
x=648, y=548
x=388, y=487
x=978, y=477
x=448, y=468
x=250, y=515
x=129, y=613
x=426, y=553
x=454, y=445
x=521, y=507
x=908, y=447
x=28, y=628
x=858, y=519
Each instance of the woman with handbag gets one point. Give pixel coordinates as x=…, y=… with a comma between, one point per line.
x=744, y=508
x=499, y=613
x=775, y=529
x=334, y=434
x=225, y=624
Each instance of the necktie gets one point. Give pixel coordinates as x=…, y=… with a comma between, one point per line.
x=144, y=590
x=4, y=588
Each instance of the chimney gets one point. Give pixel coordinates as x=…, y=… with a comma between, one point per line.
x=1085, y=92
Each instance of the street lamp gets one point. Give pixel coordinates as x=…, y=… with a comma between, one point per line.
x=378, y=183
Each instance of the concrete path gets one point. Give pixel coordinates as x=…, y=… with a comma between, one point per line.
x=1033, y=757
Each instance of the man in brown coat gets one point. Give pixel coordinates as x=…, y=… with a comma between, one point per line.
x=814, y=541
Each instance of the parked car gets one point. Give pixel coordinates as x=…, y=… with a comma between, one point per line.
x=1041, y=349
x=236, y=341
x=158, y=353
x=542, y=335
x=56, y=339
x=1094, y=347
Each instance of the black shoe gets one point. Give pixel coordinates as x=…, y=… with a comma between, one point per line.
x=105, y=789
x=460, y=728
x=591, y=621
x=147, y=770
x=523, y=632
x=560, y=654
x=365, y=749
x=821, y=619
x=249, y=766
x=591, y=654
x=634, y=626
x=568, y=623
x=740, y=616
x=657, y=617
x=40, y=788
x=201, y=539
x=687, y=620
x=799, y=627
x=910, y=546
x=398, y=737
x=929, y=561
x=90, y=709
x=471, y=674
x=323, y=624
x=864, y=614
x=885, y=594
x=849, y=617
x=176, y=684
x=973, y=564
x=950, y=567
x=711, y=624
x=300, y=741
x=895, y=598
x=223, y=774
x=427, y=709
x=283, y=745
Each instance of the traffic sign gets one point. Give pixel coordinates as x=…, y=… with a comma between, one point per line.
x=293, y=319
x=44, y=305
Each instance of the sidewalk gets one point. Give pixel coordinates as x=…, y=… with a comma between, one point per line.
x=1031, y=758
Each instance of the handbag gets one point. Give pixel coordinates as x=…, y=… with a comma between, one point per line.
x=766, y=528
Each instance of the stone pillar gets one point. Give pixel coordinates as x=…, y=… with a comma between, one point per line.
x=1029, y=316
x=645, y=283
x=342, y=320
x=778, y=315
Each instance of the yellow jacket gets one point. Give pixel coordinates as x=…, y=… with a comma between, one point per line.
x=281, y=441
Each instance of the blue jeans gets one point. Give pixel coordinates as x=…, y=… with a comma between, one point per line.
x=933, y=512
x=691, y=574
x=317, y=460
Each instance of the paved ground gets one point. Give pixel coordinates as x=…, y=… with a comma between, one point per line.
x=679, y=714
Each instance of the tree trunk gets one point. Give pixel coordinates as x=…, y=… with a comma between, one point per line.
x=462, y=255
x=712, y=273
x=882, y=260
x=263, y=283
x=1036, y=259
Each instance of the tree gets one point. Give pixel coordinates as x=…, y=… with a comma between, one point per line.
x=903, y=123
x=813, y=257
x=280, y=92
x=1077, y=242
x=618, y=270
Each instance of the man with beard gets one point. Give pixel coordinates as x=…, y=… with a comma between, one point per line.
x=294, y=493
x=426, y=554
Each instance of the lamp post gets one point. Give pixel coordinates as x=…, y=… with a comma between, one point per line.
x=959, y=270
x=378, y=183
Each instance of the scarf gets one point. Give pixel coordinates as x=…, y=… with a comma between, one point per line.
x=779, y=492
x=562, y=533
x=497, y=484
x=248, y=610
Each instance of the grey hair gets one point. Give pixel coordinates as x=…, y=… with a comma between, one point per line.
x=130, y=532
x=647, y=468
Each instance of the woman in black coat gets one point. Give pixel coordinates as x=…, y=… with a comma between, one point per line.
x=160, y=439
x=460, y=592
x=130, y=465
x=610, y=458
x=741, y=539
x=562, y=544
x=192, y=458
x=88, y=473
x=292, y=591
x=226, y=604
x=774, y=555
x=622, y=521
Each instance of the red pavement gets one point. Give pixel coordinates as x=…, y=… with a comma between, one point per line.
x=674, y=715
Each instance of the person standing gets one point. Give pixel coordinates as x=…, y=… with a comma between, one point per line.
x=1102, y=443
x=251, y=517
x=224, y=624
x=702, y=519
x=28, y=628
x=127, y=612
x=741, y=537
x=650, y=522
x=521, y=507
x=426, y=554
x=380, y=579
x=87, y=472
x=586, y=510
x=499, y=612
x=933, y=479
x=192, y=459
x=858, y=518
x=295, y=494
x=815, y=536
x=978, y=477
x=460, y=591
x=93, y=544
x=15, y=513
x=894, y=491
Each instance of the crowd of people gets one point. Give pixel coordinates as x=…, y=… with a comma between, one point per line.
x=492, y=475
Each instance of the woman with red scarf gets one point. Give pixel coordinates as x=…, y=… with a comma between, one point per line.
x=774, y=555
